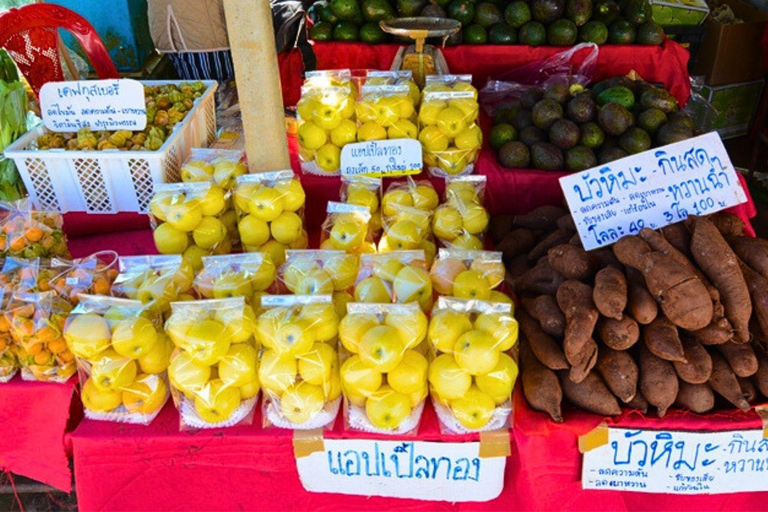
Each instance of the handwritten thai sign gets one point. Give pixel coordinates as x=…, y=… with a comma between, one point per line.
x=96, y=104
x=652, y=189
x=678, y=462
x=380, y=158
x=452, y=472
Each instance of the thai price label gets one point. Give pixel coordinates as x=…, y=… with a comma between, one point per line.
x=95, y=104
x=382, y=158
x=454, y=472
x=675, y=462
x=652, y=189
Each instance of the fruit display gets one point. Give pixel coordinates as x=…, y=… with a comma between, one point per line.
x=16, y=276
x=29, y=233
x=270, y=210
x=167, y=105
x=448, y=129
x=36, y=323
x=219, y=166
x=665, y=319
x=299, y=363
x=321, y=272
x=385, y=111
x=214, y=368
x=469, y=275
x=155, y=281
x=407, y=209
x=347, y=228
x=565, y=127
x=250, y=275
x=122, y=356
x=92, y=275
x=462, y=221
x=397, y=277
x=384, y=373
x=471, y=374
x=364, y=191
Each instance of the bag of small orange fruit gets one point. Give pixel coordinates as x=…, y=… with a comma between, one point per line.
x=91, y=275
x=29, y=233
x=17, y=275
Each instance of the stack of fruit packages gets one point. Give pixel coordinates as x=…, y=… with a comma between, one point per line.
x=299, y=363
x=386, y=108
x=347, y=227
x=364, y=191
x=449, y=133
x=407, y=210
x=461, y=222
x=270, y=210
x=384, y=369
x=250, y=275
x=17, y=275
x=219, y=166
x=155, y=281
x=29, y=233
x=213, y=368
x=92, y=275
x=122, y=356
x=469, y=275
x=397, y=277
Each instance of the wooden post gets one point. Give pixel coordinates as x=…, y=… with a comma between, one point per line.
x=252, y=40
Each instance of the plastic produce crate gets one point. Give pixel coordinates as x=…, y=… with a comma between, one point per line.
x=111, y=181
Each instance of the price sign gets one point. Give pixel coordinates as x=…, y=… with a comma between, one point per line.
x=674, y=462
x=382, y=158
x=96, y=104
x=652, y=189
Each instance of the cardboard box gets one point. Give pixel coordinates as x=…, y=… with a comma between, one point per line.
x=734, y=108
x=732, y=53
x=679, y=12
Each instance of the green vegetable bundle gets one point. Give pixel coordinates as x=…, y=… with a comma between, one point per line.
x=13, y=124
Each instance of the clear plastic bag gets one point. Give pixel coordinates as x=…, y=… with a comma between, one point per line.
x=462, y=221
x=364, y=191
x=405, y=204
x=468, y=274
x=91, y=275
x=384, y=373
x=398, y=277
x=250, y=275
x=386, y=112
x=154, y=280
x=471, y=374
x=299, y=363
x=395, y=77
x=214, y=368
x=270, y=207
x=347, y=228
x=220, y=166
x=122, y=356
x=29, y=233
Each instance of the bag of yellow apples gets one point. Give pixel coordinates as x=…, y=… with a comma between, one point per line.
x=384, y=372
x=188, y=219
x=395, y=77
x=299, y=363
x=122, y=356
x=364, y=191
x=407, y=208
x=155, y=281
x=468, y=274
x=347, y=228
x=214, y=367
x=219, y=166
x=250, y=275
x=37, y=323
x=270, y=207
x=386, y=112
x=321, y=272
x=91, y=275
x=448, y=129
x=29, y=233
x=418, y=194
x=471, y=376
x=398, y=277
x=462, y=221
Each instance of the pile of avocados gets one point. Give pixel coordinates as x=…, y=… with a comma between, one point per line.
x=571, y=128
x=526, y=22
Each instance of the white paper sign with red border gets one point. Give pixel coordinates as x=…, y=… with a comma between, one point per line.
x=382, y=158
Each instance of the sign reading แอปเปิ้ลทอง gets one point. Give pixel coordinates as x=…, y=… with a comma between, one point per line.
x=382, y=158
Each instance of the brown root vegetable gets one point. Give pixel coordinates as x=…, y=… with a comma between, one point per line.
x=618, y=334
x=605, y=258
x=727, y=224
x=544, y=347
x=541, y=386
x=544, y=308
x=591, y=394
x=582, y=362
x=575, y=301
x=560, y=236
x=758, y=291
x=697, y=398
x=517, y=266
x=543, y=218
x=540, y=280
x=663, y=340
x=719, y=331
x=741, y=358
x=697, y=368
x=566, y=222
x=658, y=243
x=499, y=226
x=576, y=240
x=761, y=377
x=610, y=293
x=679, y=236
x=619, y=372
x=658, y=381
x=724, y=383
x=571, y=261
x=515, y=243
x=748, y=389
x=718, y=261
x=754, y=252
x=638, y=403
x=640, y=303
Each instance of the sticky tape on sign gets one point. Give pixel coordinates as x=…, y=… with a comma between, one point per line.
x=495, y=443
x=307, y=442
x=595, y=438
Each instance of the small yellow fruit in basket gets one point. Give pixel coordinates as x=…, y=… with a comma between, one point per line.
x=352, y=328
x=238, y=367
x=468, y=242
x=277, y=372
x=134, y=337
x=287, y=228
x=292, y=194
x=96, y=400
x=387, y=409
x=146, y=395
x=425, y=198
x=216, y=401
x=475, y=219
x=195, y=171
x=359, y=378
x=446, y=327
x=410, y=376
x=473, y=410
x=476, y=352
x=170, y=240
x=301, y=402
x=157, y=358
x=504, y=333
x=345, y=133
x=412, y=284
x=311, y=136
x=322, y=319
x=372, y=290
x=317, y=365
x=87, y=335
x=499, y=382
x=293, y=338
x=403, y=129
x=112, y=372
x=185, y=216
x=447, y=379
x=266, y=204
x=210, y=233
x=328, y=158
x=207, y=342
x=382, y=347
x=371, y=131
x=188, y=375
x=471, y=138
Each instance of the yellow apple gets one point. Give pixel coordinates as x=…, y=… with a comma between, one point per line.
x=253, y=231
x=403, y=129
x=444, y=273
x=425, y=197
x=497, y=296
x=371, y=131
x=157, y=358
x=359, y=378
x=433, y=140
x=318, y=364
x=243, y=193
x=473, y=410
x=207, y=342
x=340, y=301
x=404, y=235
x=499, y=382
x=446, y=327
x=209, y=233
x=287, y=228
x=410, y=376
x=493, y=271
x=476, y=352
x=97, y=400
x=185, y=216
x=213, y=202
x=292, y=194
x=467, y=242
x=372, y=290
x=315, y=282
x=302, y=402
x=411, y=326
x=186, y=374
x=238, y=367
x=250, y=389
x=394, y=199
x=364, y=197
x=386, y=267
x=87, y=335
x=430, y=110
x=470, y=284
x=134, y=337
x=412, y=284
x=194, y=256
x=216, y=401
x=232, y=284
x=294, y=273
x=277, y=372
x=502, y=328
x=475, y=219
x=387, y=409
x=160, y=204
x=266, y=204
x=447, y=379
x=382, y=348
x=343, y=270
x=447, y=223
x=311, y=136
x=146, y=395
x=276, y=252
x=170, y=240
x=352, y=328
x=112, y=372
x=345, y=133
x=294, y=338
x=348, y=231
x=322, y=319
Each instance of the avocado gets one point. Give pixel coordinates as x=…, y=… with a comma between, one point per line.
x=346, y=10
x=621, y=32
x=660, y=99
x=462, y=11
x=546, y=112
x=609, y=154
x=651, y=120
x=371, y=33
x=501, y=134
x=614, y=119
x=635, y=140
x=581, y=108
x=637, y=11
x=681, y=117
x=547, y=11
x=562, y=32
x=475, y=34
x=578, y=11
x=505, y=111
x=593, y=32
x=605, y=11
x=580, y=158
x=530, y=135
x=514, y=155
x=533, y=33
x=377, y=10
x=558, y=91
x=501, y=33
x=618, y=94
x=409, y=8
x=623, y=81
x=547, y=157
x=531, y=97
x=650, y=33
x=345, y=31
x=517, y=14
x=592, y=136
x=640, y=86
x=564, y=134
x=433, y=11
x=522, y=119
x=321, y=31
x=673, y=132
x=487, y=15
x=326, y=14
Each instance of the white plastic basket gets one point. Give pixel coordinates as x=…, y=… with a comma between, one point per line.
x=111, y=181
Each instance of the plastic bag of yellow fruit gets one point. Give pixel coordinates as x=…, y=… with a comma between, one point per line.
x=386, y=112
x=395, y=77
x=154, y=280
x=10, y=277
x=36, y=323
x=90, y=275
x=472, y=374
x=398, y=277
x=384, y=369
x=364, y=191
x=347, y=228
x=270, y=207
x=299, y=363
x=448, y=129
x=29, y=233
x=469, y=275
x=321, y=272
x=461, y=222
x=407, y=208
x=250, y=275
x=214, y=368
x=219, y=166
x=122, y=356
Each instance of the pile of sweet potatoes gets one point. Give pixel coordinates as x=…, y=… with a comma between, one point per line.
x=669, y=318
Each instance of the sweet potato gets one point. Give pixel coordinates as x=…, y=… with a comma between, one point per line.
x=610, y=293
x=557, y=237
x=618, y=334
x=761, y=377
x=540, y=280
x=544, y=347
x=716, y=333
x=582, y=362
x=718, y=261
x=517, y=267
x=590, y=394
x=515, y=243
x=638, y=403
x=605, y=258
x=724, y=383
x=679, y=236
x=541, y=386
x=575, y=240
x=640, y=303
x=575, y=301
x=543, y=217
x=697, y=367
x=658, y=381
x=758, y=291
x=499, y=226
x=662, y=339
x=741, y=358
x=697, y=398
x=619, y=372
x=754, y=252
x=566, y=222
x=748, y=389
x=544, y=308
x=571, y=261
x=727, y=224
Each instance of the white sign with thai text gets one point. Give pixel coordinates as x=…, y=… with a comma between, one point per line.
x=95, y=104
x=678, y=462
x=652, y=189
x=382, y=158
x=419, y=470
